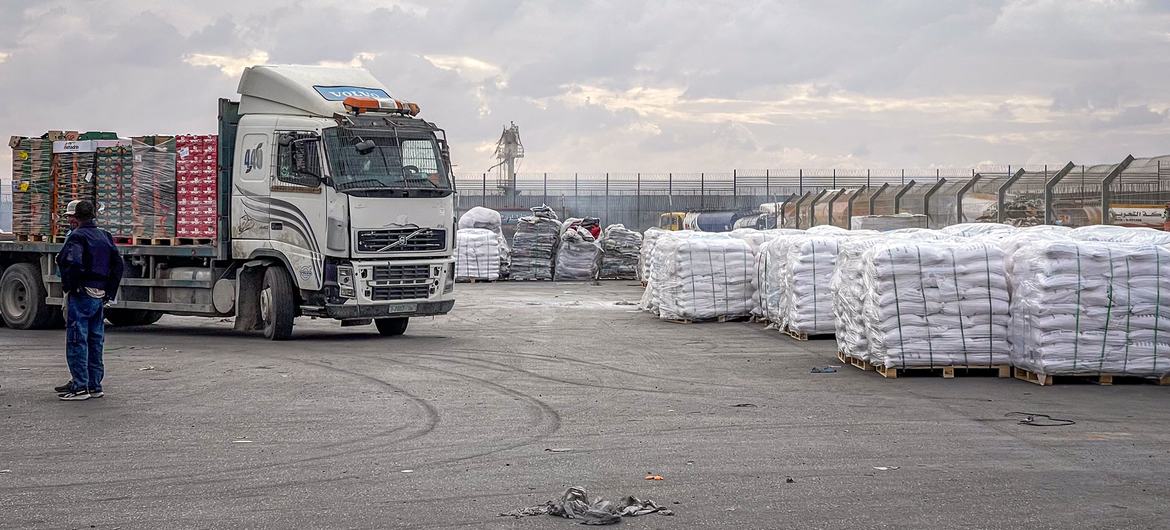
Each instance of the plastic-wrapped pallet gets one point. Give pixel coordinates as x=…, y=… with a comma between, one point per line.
x=762, y=265
x=488, y=219
x=936, y=303
x=1121, y=234
x=477, y=254
x=114, y=171
x=621, y=250
x=651, y=296
x=886, y=223
x=649, y=238
x=73, y=178
x=993, y=231
x=196, y=193
x=702, y=278
x=803, y=266
x=32, y=186
x=579, y=256
x=534, y=247
x=849, y=292
x=154, y=197
x=1026, y=236
x=1091, y=307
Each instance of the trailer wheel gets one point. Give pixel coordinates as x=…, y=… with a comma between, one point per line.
x=132, y=317
x=22, y=298
x=392, y=327
x=277, y=303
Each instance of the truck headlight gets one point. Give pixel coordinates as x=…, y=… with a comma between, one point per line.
x=345, y=281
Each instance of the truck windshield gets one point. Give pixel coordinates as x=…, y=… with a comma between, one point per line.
x=394, y=163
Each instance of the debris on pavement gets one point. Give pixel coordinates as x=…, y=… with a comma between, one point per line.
x=886, y=468
x=825, y=370
x=745, y=405
x=557, y=449
x=625, y=302
x=576, y=504
x=1039, y=420
x=789, y=480
x=654, y=477
x=242, y=441
x=145, y=368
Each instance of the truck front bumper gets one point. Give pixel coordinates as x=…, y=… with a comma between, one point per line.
x=352, y=311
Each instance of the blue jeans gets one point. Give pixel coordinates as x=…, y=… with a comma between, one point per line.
x=85, y=334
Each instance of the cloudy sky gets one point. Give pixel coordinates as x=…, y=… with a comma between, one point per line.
x=621, y=85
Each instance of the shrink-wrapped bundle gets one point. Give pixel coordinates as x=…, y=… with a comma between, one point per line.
x=578, y=257
x=1091, y=307
x=649, y=238
x=797, y=281
x=477, y=254
x=621, y=251
x=534, y=247
x=489, y=219
x=992, y=231
x=699, y=277
x=935, y=303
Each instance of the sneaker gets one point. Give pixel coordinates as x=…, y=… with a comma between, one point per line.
x=80, y=395
x=65, y=388
x=96, y=394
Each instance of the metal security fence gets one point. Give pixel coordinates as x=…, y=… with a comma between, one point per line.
x=1132, y=192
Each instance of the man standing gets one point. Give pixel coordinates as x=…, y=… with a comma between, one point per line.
x=91, y=270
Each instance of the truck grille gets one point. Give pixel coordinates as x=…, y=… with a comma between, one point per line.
x=400, y=273
x=400, y=292
x=430, y=240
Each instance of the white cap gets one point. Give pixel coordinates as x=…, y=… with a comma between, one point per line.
x=71, y=209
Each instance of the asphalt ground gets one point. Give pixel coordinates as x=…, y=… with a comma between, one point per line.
x=528, y=388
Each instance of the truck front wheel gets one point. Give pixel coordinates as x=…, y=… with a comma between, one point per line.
x=278, y=304
x=392, y=327
x=22, y=298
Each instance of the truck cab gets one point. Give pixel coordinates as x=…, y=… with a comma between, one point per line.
x=340, y=194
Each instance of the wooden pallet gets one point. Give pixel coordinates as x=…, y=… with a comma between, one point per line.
x=800, y=335
x=474, y=280
x=1043, y=379
x=1002, y=371
x=194, y=241
x=855, y=362
x=31, y=238
x=152, y=241
x=57, y=239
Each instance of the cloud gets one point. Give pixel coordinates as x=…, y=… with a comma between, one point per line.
x=230, y=65
x=359, y=60
x=4, y=57
x=469, y=68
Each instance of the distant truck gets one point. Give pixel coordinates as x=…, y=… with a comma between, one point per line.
x=335, y=201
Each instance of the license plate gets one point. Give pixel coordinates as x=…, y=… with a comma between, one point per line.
x=401, y=308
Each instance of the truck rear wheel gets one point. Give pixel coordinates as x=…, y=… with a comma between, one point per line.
x=22, y=298
x=277, y=304
x=132, y=317
x=392, y=327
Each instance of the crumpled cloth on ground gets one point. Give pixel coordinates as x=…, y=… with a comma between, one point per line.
x=576, y=504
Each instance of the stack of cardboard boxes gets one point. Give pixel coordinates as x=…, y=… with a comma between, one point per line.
x=153, y=200
x=115, y=186
x=196, y=186
x=32, y=186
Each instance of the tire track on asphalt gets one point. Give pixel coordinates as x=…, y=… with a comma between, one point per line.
x=430, y=422
x=546, y=414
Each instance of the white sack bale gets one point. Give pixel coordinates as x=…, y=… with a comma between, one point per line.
x=477, y=255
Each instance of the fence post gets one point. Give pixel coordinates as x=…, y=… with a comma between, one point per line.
x=483, y=193
x=545, y=188
x=800, y=181
x=867, y=183
x=903, y=179
x=702, y=191
x=834, y=179
x=576, y=196
x=638, y=203
x=670, y=191
x=734, y=188
x=606, y=198
x=768, y=185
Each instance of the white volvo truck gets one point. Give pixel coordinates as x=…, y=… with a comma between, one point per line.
x=335, y=201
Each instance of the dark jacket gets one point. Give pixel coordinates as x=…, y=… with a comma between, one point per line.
x=90, y=259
